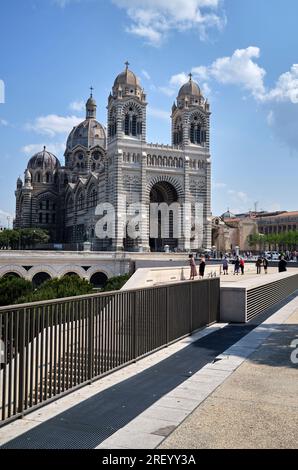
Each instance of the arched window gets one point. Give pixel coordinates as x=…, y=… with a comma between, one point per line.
x=37, y=177
x=126, y=124
x=132, y=122
x=93, y=198
x=134, y=125
x=70, y=204
x=178, y=132
x=113, y=124
x=197, y=133
x=80, y=201
x=48, y=178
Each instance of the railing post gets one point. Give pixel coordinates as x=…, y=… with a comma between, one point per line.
x=22, y=322
x=209, y=303
x=135, y=324
x=191, y=305
x=168, y=313
x=90, y=339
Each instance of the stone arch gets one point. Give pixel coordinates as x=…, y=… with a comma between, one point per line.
x=98, y=279
x=71, y=268
x=14, y=269
x=42, y=268
x=40, y=277
x=99, y=268
x=168, y=179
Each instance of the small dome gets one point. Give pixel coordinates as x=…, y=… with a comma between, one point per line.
x=190, y=88
x=127, y=78
x=228, y=215
x=89, y=133
x=91, y=102
x=44, y=160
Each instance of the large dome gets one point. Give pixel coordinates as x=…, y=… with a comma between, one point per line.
x=190, y=88
x=43, y=160
x=88, y=134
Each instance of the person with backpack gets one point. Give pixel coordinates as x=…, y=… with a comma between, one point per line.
x=225, y=266
x=237, y=266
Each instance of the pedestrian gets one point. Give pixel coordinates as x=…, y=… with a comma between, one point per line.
x=282, y=265
x=242, y=265
x=265, y=264
x=259, y=264
x=202, y=267
x=193, y=268
x=237, y=266
x=225, y=266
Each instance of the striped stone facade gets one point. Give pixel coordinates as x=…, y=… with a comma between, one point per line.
x=118, y=166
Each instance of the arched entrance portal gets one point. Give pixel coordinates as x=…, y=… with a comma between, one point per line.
x=163, y=192
x=40, y=278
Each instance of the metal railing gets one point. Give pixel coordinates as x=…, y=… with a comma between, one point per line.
x=53, y=347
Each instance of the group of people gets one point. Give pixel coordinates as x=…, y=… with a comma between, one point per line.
x=262, y=262
x=193, y=267
x=238, y=265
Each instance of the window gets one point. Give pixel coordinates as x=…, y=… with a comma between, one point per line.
x=134, y=125
x=40, y=218
x=80, y=201
x=126, y=124
x=93, y=198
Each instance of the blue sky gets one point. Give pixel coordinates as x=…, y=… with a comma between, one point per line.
x=241, y=52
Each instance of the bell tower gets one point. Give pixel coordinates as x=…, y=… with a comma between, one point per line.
x=190, y=117
x=127, y=108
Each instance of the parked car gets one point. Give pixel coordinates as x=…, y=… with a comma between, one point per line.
x=272, y=255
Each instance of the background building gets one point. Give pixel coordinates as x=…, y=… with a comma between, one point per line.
x=117, y=165
x=230, y=230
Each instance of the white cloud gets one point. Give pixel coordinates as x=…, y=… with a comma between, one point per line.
x=77, y=105
x=219, y=185
x=239, y=195
x=53, y=124
x=56, y=148
x=286, y=88
x=154, y=19
x=167, y=90
x=3, y=122
x=146, y=74
x=158, y=113
x=239, y=69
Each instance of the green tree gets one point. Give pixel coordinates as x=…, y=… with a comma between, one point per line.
x=68, y=286
x=115, y=283
x=11, y=288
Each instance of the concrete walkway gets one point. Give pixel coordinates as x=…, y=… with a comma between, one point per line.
x=256, y=407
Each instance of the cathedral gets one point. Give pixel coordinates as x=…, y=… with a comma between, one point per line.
x=116, y=164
